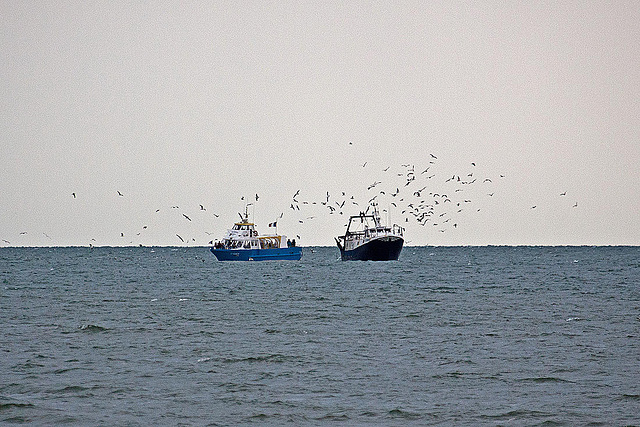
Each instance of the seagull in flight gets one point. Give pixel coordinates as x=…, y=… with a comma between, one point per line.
x=120, y=194
x=180, y=238
x=186, y=217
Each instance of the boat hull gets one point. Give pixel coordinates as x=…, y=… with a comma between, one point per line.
x=381, y=249
x=293, y=253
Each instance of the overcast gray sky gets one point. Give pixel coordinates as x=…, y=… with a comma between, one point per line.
x=176, y=103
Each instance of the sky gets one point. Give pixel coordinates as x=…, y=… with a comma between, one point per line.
x=155, y=123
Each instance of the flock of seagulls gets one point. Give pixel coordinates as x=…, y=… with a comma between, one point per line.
x=421, y=194
x=406, y=188
x=418, y=194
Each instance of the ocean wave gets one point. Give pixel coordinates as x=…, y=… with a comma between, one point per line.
x=70, y=389
x=259, y=417
x=10, y=405
x=333, y=417
x=296, y=419
x=633, y=397
x=93, y=328
x=541, y=380
x=517, y=414
x=63, y=370
x=407, y=415
x=27, y=365
x=274, y=358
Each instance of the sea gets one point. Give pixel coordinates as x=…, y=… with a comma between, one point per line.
x=495, y=336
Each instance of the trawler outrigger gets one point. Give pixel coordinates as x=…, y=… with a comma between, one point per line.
x=367, y=239
x=242, y=243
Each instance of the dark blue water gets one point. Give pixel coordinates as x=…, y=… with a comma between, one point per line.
x=462, y=336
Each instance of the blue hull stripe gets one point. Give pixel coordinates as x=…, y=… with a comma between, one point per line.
x=293, y=253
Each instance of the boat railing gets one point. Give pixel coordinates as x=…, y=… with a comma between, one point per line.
x=398, y=230
x=382, y=231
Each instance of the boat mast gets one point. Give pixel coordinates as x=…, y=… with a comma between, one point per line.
x=376, y=215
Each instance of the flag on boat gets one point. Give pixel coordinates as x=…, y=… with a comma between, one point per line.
x=273, y=224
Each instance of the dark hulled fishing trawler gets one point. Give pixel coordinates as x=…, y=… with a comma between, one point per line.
x=367, y=239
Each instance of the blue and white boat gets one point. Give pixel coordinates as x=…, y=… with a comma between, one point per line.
x=242, y=243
